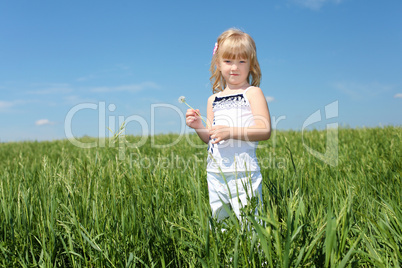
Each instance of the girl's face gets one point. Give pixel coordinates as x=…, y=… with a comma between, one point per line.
x=234, y=71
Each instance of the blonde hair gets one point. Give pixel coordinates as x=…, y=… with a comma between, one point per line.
x=234, y=44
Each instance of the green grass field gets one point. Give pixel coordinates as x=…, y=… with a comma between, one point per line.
x=65, y=206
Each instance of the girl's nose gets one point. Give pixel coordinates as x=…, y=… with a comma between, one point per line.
x=234, y=66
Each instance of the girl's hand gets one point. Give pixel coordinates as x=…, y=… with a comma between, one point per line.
x=219, y=133
x=193, y=120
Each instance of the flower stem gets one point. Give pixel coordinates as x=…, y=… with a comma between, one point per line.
x=197, y=114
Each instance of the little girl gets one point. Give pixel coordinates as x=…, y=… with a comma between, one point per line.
x=238, y=118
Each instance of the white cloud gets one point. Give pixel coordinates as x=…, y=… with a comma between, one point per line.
x=50, y=88
x=315, y=4
x=127, y=88
x=398, y=96
x=6, y=104
x=43, y=122
x=120, y=70
x=269, y=99
x=86, y=78
x=359, y=91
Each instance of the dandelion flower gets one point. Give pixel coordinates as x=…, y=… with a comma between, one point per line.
x=182, y=99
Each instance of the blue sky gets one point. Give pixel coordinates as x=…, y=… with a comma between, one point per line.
x=85, y=65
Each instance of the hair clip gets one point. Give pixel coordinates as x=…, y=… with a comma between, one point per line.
x=215, y=49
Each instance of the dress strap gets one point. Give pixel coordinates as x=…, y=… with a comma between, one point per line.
x=247, y=89
x=245, y=96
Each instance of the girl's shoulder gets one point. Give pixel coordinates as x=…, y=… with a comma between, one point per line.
x=254, y=92
x=212, y=97
x=256, y=96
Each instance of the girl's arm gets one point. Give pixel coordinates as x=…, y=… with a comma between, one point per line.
x=194, y=121
x=258, y=132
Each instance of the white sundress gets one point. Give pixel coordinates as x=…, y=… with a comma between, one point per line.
x=232, y=160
